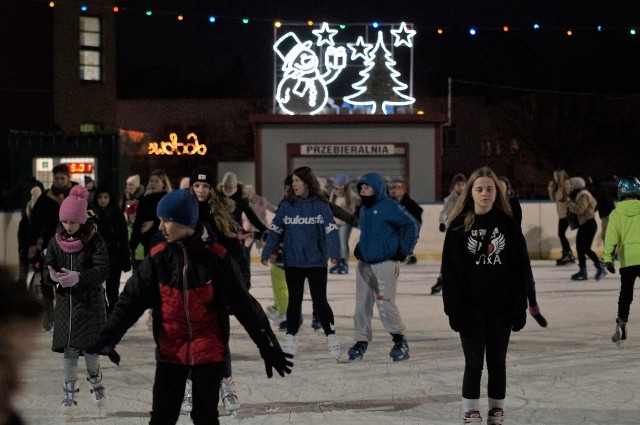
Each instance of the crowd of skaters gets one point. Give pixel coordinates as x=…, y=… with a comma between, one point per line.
x=230, y=215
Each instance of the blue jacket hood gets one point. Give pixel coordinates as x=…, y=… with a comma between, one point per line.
x=375, y=181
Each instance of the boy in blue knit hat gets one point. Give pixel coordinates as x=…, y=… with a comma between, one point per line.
x=188, y=281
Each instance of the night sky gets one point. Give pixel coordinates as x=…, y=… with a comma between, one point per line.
x=159, y=56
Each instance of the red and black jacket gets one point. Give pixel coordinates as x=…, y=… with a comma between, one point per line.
x=188, y=286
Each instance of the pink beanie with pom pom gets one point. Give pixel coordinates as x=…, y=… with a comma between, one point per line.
x=74, y=206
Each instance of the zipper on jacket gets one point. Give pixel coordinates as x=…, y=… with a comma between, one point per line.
x=185, y=299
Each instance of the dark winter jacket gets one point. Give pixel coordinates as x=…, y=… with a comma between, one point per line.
x=44, y=218
x=113, y=228
x=484, y=272
x=80, y=310
x=231, y=244
x=243, y=206
x=146, y=212
x=387, y=230
x=412, y=206
x=307, y=231
x=188, y=285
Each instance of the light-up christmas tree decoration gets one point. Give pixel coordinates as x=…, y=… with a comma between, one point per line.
x=379, y=87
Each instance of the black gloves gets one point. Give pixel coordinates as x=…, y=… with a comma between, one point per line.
x=456, y=323
x=442, y=227
x=101, y=345
x=357, y=253
x=274, y=358
x=518, y=320
x=610, y=267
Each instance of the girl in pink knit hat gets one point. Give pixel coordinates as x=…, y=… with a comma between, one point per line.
x=77, y=265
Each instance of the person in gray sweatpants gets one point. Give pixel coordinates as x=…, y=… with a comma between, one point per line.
x=388, y=233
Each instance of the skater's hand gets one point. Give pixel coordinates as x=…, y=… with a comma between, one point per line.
x=519, y=320
x=399, y=257
x=101, y=344
x=68, y=278
x=274, y=358
x=53, y=274
x=442, y=227
x=610, y=267
x=456, y=323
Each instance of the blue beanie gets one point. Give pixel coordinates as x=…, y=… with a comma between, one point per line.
x=341, y=179
x=179, y=206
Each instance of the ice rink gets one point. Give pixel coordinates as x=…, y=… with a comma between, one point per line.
x=568, y=373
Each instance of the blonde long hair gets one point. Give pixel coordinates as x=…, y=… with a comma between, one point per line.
x=464, y=205
x=221, y=209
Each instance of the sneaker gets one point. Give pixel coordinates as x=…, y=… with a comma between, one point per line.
x=534, y=311
x=472, y=417
x=273, y=314
x=495, y=416
x=334, y=346
x=400, y=350
x=437, y=288
x=70, y=391
x=228, y=394
x=290, y=345
x=357, y=351
x=187, y=403
x=97, y=389
x=620, y=336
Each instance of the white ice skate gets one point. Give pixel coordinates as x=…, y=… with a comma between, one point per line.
x=97, y=388
x=70, y=391
x=334, y=346
x=187, y=403
x=228, y=396
x=290, y=345
x=620, y=336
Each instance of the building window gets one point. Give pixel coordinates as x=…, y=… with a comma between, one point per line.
x=91, y=127
x=90, y=49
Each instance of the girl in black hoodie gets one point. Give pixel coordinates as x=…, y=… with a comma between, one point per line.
x=484, y=273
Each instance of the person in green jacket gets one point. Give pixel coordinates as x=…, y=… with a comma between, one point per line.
x=623, y=234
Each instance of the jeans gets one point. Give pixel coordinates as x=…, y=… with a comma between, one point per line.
x=344, y=231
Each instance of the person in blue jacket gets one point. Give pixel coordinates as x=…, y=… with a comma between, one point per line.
x=304, y=225
x=388, y=234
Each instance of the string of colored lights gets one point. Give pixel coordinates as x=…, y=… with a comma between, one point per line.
x=568, y=30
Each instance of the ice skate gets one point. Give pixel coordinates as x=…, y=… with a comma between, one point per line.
x=344, y=267
x=400, y=350
x=472, y=417
x=435, y=289
x=620, y=336
x=567, y=258
x=290, y=345
x=411, y=259
x=97, y=389
x=70, y=391
x=495, y=416
x=357, y=351
x=315, y=323
x=600, y=271
x=334, y=346
x=273, y=314
x=187, y=403
x=228, y=395
x=581, y=275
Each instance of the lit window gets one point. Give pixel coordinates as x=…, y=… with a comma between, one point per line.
x=91, y=127
x=90, y=49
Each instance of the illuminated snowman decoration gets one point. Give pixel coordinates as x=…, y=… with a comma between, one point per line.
x=303, y=88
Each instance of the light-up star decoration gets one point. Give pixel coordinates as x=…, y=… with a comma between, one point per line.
x=360, y=49
x=403, y=35
x=325, y=35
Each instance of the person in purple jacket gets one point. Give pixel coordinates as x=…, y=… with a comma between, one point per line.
x=304, y=225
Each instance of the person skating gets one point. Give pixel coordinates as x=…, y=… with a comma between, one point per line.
x=559, y=191
x=189, y=281
x=484, y=274
x=623, y=236
x=388, y=234
x=398, y=191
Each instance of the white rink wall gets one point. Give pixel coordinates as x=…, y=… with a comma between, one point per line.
x=539, y=225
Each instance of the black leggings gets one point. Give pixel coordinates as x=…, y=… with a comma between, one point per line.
x=493, y=337
x=317, y=276
x=628, y=277
x=584, y=239
x=563, y=225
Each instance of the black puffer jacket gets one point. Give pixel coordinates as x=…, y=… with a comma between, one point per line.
x=81, y=310
x=188, y=285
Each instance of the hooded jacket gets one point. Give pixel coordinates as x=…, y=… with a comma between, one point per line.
x=387, y=229
x=307, y=231
x=623, y=231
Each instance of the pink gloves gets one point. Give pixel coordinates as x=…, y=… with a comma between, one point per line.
x=66, y=278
